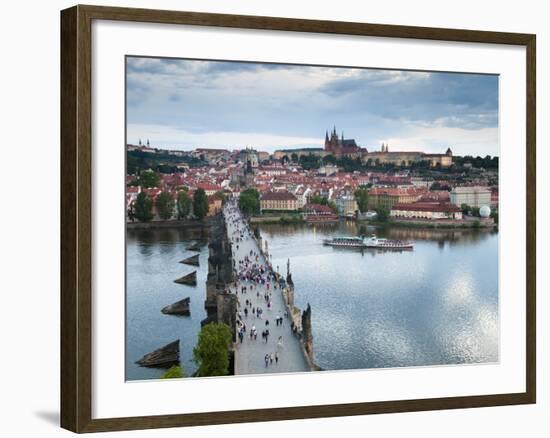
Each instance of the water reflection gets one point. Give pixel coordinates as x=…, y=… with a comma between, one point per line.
x=152, y=264
x=437, y=304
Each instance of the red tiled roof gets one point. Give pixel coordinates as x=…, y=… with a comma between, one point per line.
x=206, y=186
x=427, y=206
x=435, y=196
x=318, y=208
x=278, y=196
x=396, y=191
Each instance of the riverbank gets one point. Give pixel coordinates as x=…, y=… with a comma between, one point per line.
x=440, y=224
x=185, y=224
x=472, y=224
x=437, y=304
x=280, y=219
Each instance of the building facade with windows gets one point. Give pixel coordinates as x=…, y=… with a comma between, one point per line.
x=346, y=205
x=426, y=210
x=280, y=200
x=472, y=196
x=388, y=197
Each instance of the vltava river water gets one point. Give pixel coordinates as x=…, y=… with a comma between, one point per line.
x=435, y=305
x=152, y=265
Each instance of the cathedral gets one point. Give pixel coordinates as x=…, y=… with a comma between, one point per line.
x=340, y=147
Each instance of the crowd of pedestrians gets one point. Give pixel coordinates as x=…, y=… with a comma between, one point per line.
x=255, y=284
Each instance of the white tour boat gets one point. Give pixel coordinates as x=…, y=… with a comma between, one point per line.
x=368, y=242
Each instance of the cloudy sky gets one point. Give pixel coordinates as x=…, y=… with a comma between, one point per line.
x=184, y=104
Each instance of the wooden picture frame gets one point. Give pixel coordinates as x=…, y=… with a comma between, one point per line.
x=76, y=217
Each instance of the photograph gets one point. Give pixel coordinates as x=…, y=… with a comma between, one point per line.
x=289, y=218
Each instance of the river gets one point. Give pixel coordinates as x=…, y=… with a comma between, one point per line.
x=152, y=265
x=437, y=304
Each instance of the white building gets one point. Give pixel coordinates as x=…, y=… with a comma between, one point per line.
x=346, y=205
x=472, y=196
x=328, y=169
x=426, y=210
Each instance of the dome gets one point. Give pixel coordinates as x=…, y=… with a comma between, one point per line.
x=485, y=211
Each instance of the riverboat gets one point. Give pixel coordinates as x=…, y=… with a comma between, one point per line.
x=345, y=242
x=381, y=243
x=368, y=242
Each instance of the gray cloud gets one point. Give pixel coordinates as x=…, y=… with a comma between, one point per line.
x=303, y=101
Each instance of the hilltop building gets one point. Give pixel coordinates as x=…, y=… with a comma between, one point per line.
x=406, y=158
x=282, y=153
x=339, y=147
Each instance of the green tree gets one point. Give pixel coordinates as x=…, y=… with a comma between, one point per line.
x=309, y=161
x=221, y=196
x=329, y=159
x=165, y=205
x=362, y=199
x=383, y=214
x=332, y=206
x=132, y=212
x=435, y=186
x=249, y=201
x=294, y=157
x=174, y=372
x=318, y=199
x=465, y=208
x=143, y=208
x=149, y=178
x=183, y=204
x=315, y=199
x=200, y=204
x=350, y=164
x=211, y=353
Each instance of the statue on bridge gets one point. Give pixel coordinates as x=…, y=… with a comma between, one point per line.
x=288, y=274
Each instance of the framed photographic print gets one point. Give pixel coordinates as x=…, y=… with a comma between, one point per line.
x=270, y=218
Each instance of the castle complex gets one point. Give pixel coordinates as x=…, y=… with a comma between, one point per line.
x=339, y=147
x=406, y=158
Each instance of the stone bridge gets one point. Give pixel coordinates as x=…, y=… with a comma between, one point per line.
x=294, y=352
